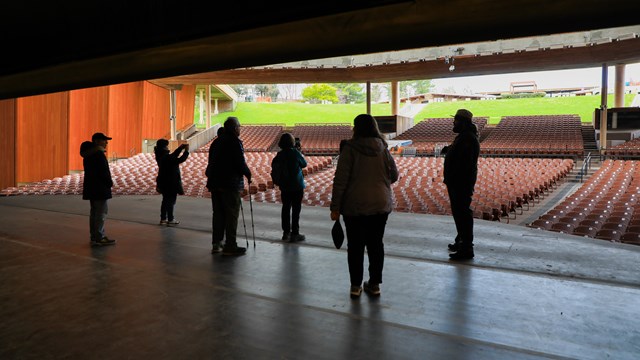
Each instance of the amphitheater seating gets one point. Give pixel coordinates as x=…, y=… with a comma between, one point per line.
x=607, y=201
x=535, y=135
x=430, y=132
x=254, y=138
x=628, y=148
x=321, y=139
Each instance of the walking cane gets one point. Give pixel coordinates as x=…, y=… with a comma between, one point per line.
x=253, y=230
x=243, y=223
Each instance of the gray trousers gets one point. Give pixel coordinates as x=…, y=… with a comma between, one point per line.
x=226, y=208
x=97, y=216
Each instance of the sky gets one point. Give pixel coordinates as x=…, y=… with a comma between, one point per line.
x=543, y=79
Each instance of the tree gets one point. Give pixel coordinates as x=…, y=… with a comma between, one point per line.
x=415, y=87
x=350, y=92
x=318, y=93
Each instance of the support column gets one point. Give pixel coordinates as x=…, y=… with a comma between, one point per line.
x=215, y=108
x=395, y=97
x=172, y=117
x=208, y=122
x=201, y=106
x=368, y=97
x=603, y=109
x=619, y=86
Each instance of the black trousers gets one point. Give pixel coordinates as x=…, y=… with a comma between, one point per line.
x=365, y=232
x=291, y=206
x=462, y=214
x=166, y=208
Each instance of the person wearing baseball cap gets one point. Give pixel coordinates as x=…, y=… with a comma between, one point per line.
x=460, y=174
x=96, y=186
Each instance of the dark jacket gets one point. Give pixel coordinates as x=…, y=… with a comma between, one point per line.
x=97, y=176
x=461, y=160
x=294, y=162
x=169, y=180
x=362, y=183
x=209, y=171
x=229, y=165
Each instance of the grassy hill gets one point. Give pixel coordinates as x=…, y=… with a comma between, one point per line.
x=293, y=113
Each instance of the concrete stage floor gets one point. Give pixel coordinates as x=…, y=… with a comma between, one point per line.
x=160, y=294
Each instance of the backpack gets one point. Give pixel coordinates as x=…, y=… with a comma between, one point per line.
x=280, y=170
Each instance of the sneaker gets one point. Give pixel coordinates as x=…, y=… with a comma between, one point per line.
x=286, y=236
x=105, y=241
x=217, y=248
x=355, y=291
x=454, y=247
x=233, y=251
x=173, y=222
x=297, y=237
x=372, y=288
x=462, y=254
x=162, y=222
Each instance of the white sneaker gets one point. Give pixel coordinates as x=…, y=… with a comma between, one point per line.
x=162, y=222
x=173, y=222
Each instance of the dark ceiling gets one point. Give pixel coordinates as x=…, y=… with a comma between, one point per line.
x=53, y=46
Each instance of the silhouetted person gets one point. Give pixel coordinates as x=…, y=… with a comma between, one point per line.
x=291, y=183
x=227, y=180
x=460, y=174
x=362, y=194
x=216, y=247
x=169, y=180
x=96, y=186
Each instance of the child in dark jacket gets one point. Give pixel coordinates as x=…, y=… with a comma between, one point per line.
x=169, y=181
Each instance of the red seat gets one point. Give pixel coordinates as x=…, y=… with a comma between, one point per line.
x=631, y=238
x=585, y=231
x=608, y=234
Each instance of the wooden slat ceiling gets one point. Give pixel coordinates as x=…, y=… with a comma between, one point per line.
x=51, y=46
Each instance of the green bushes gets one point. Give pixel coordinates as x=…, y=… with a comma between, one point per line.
x=523, y=95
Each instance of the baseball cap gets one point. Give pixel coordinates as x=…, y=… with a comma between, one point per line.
x=464, y=114
x=99, y=136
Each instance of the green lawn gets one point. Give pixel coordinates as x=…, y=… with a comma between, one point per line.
x=293, y=113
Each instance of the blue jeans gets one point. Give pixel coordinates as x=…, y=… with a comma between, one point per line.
x=291, y=206
x=97, y=216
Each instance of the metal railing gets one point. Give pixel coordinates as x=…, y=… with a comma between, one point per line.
x=586, y=166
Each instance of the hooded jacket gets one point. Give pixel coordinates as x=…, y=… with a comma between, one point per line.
x=295, y=162
x=363, y=178
x=97, y=176
x=169, y=180
x=461, y=160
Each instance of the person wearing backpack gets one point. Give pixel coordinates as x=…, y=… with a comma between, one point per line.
x=286, y=173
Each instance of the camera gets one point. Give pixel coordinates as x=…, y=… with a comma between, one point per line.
x=297, y=144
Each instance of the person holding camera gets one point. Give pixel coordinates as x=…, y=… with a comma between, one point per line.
x=287, y=174
x=169, y=180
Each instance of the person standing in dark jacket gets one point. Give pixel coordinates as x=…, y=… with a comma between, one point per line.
x=460, y=174
x=227, y=180
x=362, y=195
x=291, y=186
x=96, y=186
x=169, y=180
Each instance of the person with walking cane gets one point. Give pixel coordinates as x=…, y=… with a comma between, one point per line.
x=229, y=168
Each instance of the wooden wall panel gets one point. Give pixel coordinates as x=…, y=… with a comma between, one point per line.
x=185, y=106
x=156, y=110
x=125, y=119
x=88, y=114
x=7, y=143
x=42, y=137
